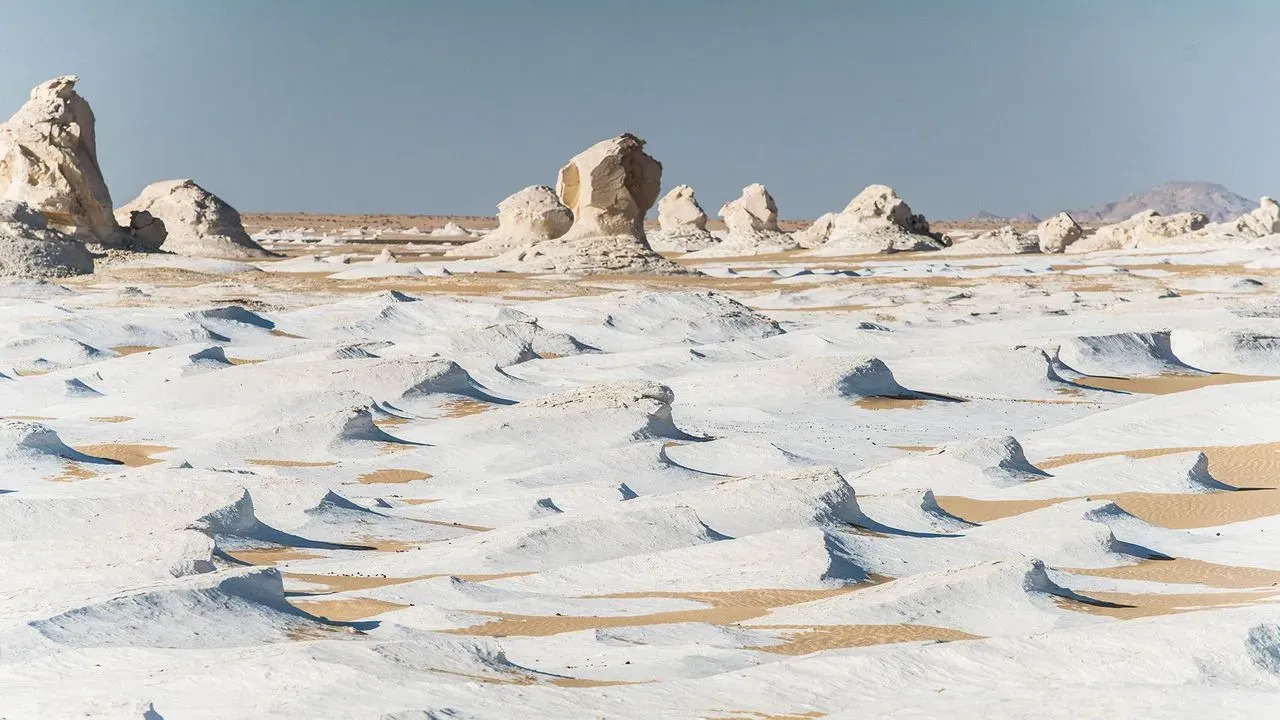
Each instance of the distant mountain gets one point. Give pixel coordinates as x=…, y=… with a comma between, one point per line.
x=1217, y=202
x=989, y=217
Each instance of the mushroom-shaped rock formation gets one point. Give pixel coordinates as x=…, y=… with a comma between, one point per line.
x=876, y=220
x=752, y=226
x=682, y=221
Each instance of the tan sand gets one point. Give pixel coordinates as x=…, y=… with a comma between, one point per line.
x=757, y=715
x=393, y=475
x=345, y=609
x=347, y=583
x=73, y=471
x=913, y=448
x=242, y=361
x=1128, y=606
x=111, y=419
x=463, y=408
x=133, y=349
x=128, y=454
x=289, y=463
x=1238, y=465
x=283, y=334
x=1167, y=384
x=724, y=608
x=1167, y=510
x=889, y=403
x=1186, y=571
x=816, y=638
x=271, y=556
x=390, y=421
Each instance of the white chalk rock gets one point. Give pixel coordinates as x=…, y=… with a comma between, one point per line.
x=49, y=160
x=816, y=234
x=29, y=248
x=683, y=223
x=198, y=223
x=1003, y=241
x=1261, y=222
x=1057, y=233
x=1143, y=229
x=876, y=220
x=752, y=226
x=608, y=187
x=529, y=216
x=451, y=229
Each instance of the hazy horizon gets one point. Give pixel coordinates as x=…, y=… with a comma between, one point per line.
x=447, y=108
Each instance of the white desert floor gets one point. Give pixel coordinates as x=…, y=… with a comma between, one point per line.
x=904, y=486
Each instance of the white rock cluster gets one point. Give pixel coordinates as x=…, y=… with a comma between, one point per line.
x=1143, y=229
x=1057, y=233
x=751, y=223
x=29, y=248
x=195, y=221
x=875, y=221
x=608, y=187
x=1261, y=222
x=1002, y=241
x=529, y=216
x=683, y=223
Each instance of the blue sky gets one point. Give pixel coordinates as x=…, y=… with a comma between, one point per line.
x=448, y=107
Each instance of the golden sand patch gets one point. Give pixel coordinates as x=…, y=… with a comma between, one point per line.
x=1166, y=384
x=127, y=454
x=417, y=501
x=283, y=334
x=447, y=523
x=346, y=609
x=242, y=361
x=271, y=555
x=1238, y=465
x=889, y=403
x=390, y=421
x=1187, y=571
x=346, y=583
x=133, y=349
x=290, y=463
x=1128, y=606
x=73, y=471
x=757, y=715
x=26, y=417
x=30, y=373
x=724, y=608
x=912, y=448
x=1176, y=511
x=462, y=408
x=393, y=475
x=112, y=419
x=816, y=638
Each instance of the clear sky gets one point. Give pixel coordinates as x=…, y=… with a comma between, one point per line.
x=448, y=107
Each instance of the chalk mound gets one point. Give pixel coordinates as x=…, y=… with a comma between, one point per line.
x=215, y=610
x=1263, y=221
x=29, y=248
x=785, y=499
x=27, y=443
x=1000, y=456
x=792, y=381
x=875, y=221
x=1241, y=352
x=683, y=223
x=971, y=468
x=910, y=510
x=817, y=233
x=529, y=216
x=46, y=353
x=1143, y=229
x=1057, y=233
x=511, y=343
x=694, y=317
x=1003, y=597
x=49, y=159
x=608, y=187
x=450, y=229
x=1002, y=241
x=1134, y=354
x=752, y=222
x=196, y=221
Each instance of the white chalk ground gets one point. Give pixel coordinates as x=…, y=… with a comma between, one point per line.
x=913, y=486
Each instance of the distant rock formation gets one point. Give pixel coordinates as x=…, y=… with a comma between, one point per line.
x=29, y=248
x=751, y=223
x=529, y=216
x=1263, y=221
x=1143, y=229
x=817, y=233
x=198, y=223
x=1003, y=241
x=450, y=229
x=1212, y=200
x=49, y=159
x=608, y=187
x=876, y=220
x=683, y=223
x=1058, y=232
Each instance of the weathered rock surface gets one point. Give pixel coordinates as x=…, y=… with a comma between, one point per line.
x=529, y=216
x=1002, y=241
x=29, y=248
x=608, y=187
x=683, y=223
x=876, y=220
x=49, y=160
x=146, y=232
x=198, y=223
x=1058, y=232
x=751, y=223
x=816, y=234
x=1263, y=221
x=1145, y=228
